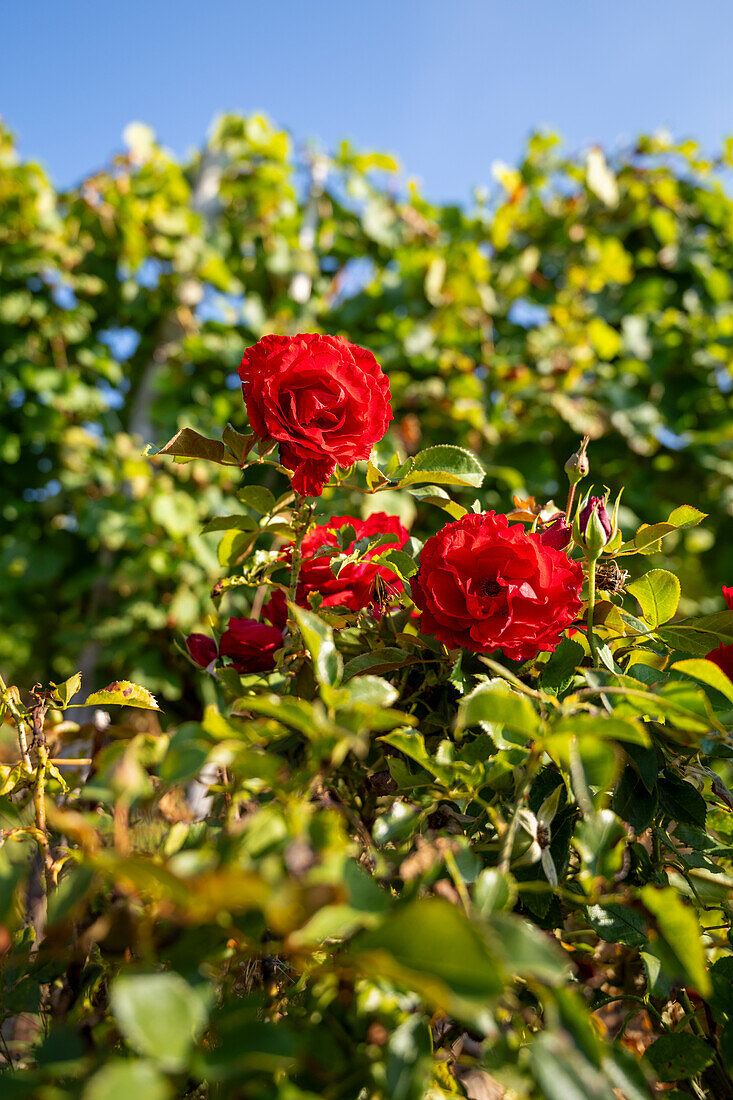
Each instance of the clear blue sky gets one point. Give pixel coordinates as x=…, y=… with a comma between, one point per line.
x=448, y=85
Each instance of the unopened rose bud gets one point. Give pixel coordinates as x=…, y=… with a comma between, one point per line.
x=556, y=534
x=595, y=506
x=593, y=529
x=577, y=466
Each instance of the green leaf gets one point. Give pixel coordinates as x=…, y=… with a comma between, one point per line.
x=373, y=690
x=430, y=947
x=699, y=636
x=318, y=637
x=496, y=704
x=384, y=659
x=600, y=725
x=132, y=1079
x=189, y=444
x=658, y=593
x=564, y=1073
x=558, y=673
x=617, y=923
x=646, y=540
x=229, y=523
x=233, y=546
x=121, y=693
x=257, y=497
x=433, y=494
x=240, y=445
x=399, y=562
x=681, y=801
x=679, y=927
x=525, y=950
x=66, y=691
x=633, y=802
x=160, y=1015
x=678, y=1057
x=444, y=465
x=707, y=672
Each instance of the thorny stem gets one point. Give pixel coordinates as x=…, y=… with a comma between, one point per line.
x=301, y=522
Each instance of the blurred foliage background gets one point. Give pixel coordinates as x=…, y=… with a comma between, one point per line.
x=581, y=295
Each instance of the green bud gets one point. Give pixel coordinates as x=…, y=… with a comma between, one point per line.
x=577, y=466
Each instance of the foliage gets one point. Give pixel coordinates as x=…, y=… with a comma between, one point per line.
x=379, y=868
x=583, y=296
x=416, y=873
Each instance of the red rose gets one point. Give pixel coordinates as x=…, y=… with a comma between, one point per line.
x=723, y=655
x=357, y=585
x=251, y=645
x=324, y=400
x=556, y=534
x=202, y=649
x=486, y=585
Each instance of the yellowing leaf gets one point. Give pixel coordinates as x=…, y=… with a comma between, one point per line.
x=124, y=694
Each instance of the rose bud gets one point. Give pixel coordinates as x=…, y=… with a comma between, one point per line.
x=577, y=466
x=556, y=534
x=201, y=648
x=595, y=506
x=250, y=645
x=593, y=529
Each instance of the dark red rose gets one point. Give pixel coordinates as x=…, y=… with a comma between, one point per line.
x=556, y=534
x=250, y=645
x=484, y=584
x=276, y=609
x=723, y=655
x=324, y=400
x=202, y=649
x=360, y=584
x=597, y=505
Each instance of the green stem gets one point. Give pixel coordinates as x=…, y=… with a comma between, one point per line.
x=591, y=609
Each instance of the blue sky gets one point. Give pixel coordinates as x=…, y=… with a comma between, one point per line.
x=449, y=86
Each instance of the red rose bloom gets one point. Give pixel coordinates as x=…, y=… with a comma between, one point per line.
x=324, y=400
x=201, y=648
x=723, y=655
x=358, y=585
x=251, y=645
x=485, y=585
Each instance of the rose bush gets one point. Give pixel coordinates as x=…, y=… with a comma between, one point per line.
x=325, y=402
x=485, y=584
x=392, y=867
